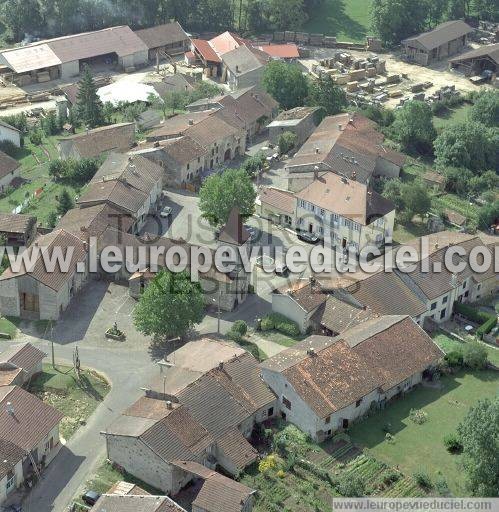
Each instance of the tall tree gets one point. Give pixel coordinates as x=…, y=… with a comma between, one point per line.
x=394, y=20
x=64, y=202
x=326, y=94
x=221, y=192
x=88, y=104
x=286, y=14
x=413, y=127
x=479, y=435
x=485, y=108
x=416, y=200
x=286, y=83
x=21, y=17
x=170, y=305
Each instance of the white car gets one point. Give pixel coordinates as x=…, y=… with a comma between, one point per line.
x=165, y=212
x=281, y=269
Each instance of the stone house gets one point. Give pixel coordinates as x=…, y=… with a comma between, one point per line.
x=243, y=66
x=346, y=214
x=276, y=205
x=348, y=145
x=19, y=364
x=93, y=143
x=18, y=230
x=301, y=121
x=348, y=375
x=29, y=438
x=9, y=170
x=129, y=183
x=37, y=292
x=174, y=421
x=10, y=133
x=443, y=41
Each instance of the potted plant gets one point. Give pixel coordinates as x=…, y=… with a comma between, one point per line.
x=114, y=333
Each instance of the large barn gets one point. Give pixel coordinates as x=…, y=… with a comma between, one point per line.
x=64, y=57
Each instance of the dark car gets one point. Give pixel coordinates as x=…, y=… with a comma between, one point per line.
x=310, y=238
x=90, y=497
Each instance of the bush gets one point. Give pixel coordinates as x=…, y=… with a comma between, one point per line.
x=441, y=486
x=453, y=444
x=474, y=356
x=240, y=326
x=352, y=486
x=281, y=324
x=471, y=313
x=487, y=326
x=390, y=477
x=454, y=357
x=286, y=142
x=234, y=336
x=267, y=324
x=423, y=479
x=268, y=463
x=418, y=416
x=36, y=137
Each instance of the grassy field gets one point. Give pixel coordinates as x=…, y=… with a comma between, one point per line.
x=34, y=161
x=348, y=20
x=416, y=447
x=452, y=116
x=447, y=344
x=77, y=400
x=281, y=339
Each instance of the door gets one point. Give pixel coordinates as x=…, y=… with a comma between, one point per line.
x=344, y=243
x=344, y=423
x=310, y=228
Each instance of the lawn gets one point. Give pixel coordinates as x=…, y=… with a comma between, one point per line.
x=452, y=116
x=416, y=446
x=77, y=400
x=348, y=20
x=8, y=326
x=281, y=339
x=447, y=343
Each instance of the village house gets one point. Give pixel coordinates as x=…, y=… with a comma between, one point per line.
x=348, y=145
x=63, y=57
x=17, y=229
x=129, y=183
x=93, y=143
x=276, y=205
x=10, y=133
x=443, y=41
x=244, y=66
x=324, y=383
x=168, y=39
x=19, y=364
x=29, y=437
x=138, y=501
x=38, y=293
x=288, y=52
x=9, y=170
x=175, y=421
x=301, y=121
x=346, y=214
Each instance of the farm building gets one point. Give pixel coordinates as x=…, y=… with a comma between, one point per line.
x=64, y=57
x=169, y=39
x=443, y=41
x=476, y=61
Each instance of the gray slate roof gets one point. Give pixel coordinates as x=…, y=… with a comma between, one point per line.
x=441, y=34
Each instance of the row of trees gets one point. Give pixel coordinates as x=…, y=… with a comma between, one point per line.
x=48, y=18
x=394, y=20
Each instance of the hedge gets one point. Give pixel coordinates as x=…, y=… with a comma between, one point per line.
x=280, y=323
x=487, y=321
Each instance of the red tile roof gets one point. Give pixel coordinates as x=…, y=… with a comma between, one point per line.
x=205, y=50
x=281, y=51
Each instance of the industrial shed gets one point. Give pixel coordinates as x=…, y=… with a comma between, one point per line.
x=476, y=61
x=64, y=57
x=169, y=38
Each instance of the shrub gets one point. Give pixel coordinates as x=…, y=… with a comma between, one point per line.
x=286, y=142
x=240, y=326
x=352, y=486
x=471, y=313
x=454, y=357
x=441, y=486
x=234, y=336
x=487, y=326
x=423, y=479
x=281, y=473
x=418, y=416
x=36, y=137
x=452, y=443
x=280, y=323
x=268, y=463
x=267, y=324
x=390, y=476
x=474, y=356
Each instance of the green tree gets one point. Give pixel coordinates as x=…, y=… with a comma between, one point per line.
x=326, y=94
x=88, y=103
x=286, y=84
x=457, y=180
x=286, y=14
x=470, y=145
x=392, y=190
x=222, y=192
x=487, y=9
x=479, y=435
x=286, y=142
x=21, y=16
x=488, y=215
x=474, y=356
x=485, y=108
x=394, y=20
x=175, y=100
x=170, y=305
x=413, y=127
x=416, y=200
x=64, y=202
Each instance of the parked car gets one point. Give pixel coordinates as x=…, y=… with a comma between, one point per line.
x=281, y=269
x=253, y=232
x=90, y=497
x=310, y=238
x=165, y=212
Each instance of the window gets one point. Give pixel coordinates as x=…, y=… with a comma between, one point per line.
x=323, y=212
x=466, y=294
x=11, y=480
x=356, y=226
x=347, y=223
x=335, y=217
x=358, y=402
x=188, y=166
x=49, y=444
x=443, y=313
x=321, y=230
x=199, y=159
x=301, y=203
x=444, y=301
x=478, y=286
x=270, y=412
x=433, y=306
x=328, y=419
x=286, y=402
